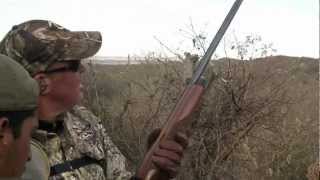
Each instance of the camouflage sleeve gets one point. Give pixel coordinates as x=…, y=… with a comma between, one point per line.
x=100, y=145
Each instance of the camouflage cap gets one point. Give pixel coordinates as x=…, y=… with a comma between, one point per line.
x=36, y=44
x=18, y=90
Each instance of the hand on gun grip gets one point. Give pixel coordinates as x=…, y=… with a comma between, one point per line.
x=167, y=157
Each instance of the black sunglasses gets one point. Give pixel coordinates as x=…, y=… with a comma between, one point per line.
x=73, y=66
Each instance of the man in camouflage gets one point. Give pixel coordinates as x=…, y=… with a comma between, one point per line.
x=74, y=140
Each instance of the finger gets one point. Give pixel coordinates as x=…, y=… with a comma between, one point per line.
x=169, y=155
x=182, y=139
x=171, y=145
x=163, y=163
x=167, y=166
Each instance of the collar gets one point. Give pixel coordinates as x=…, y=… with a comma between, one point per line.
x=51, y=127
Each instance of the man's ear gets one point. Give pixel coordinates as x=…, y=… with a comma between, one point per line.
x=5, y=132
x=4, y=123
x=44, y=83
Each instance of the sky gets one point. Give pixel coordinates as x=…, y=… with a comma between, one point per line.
x=135, y=27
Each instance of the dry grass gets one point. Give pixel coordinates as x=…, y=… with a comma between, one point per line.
x=259, y=119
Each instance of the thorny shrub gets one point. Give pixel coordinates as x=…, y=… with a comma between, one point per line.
x=246, y=128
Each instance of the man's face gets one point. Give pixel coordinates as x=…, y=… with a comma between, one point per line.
x=65, y=86
x=17, y=150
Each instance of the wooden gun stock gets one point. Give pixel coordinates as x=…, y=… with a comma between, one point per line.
x=177, y=121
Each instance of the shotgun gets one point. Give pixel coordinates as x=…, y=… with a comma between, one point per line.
x=179, y=118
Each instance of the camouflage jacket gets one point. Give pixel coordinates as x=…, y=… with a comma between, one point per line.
x=82, y=134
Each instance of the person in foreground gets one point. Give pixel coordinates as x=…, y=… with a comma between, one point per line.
x=18, y=117
x=74, y=139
